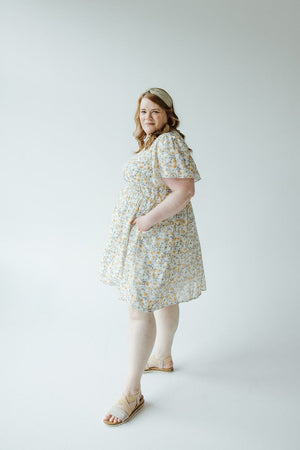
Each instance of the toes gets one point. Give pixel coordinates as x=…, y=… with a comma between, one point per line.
x=113, y=419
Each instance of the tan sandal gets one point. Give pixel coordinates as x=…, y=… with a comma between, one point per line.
x=122, y=410
x=158, y=364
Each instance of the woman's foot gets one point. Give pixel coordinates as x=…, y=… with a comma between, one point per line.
x=132, y=405
x=156, y=362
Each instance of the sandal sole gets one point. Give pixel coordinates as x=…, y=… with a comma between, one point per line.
x=171, y=369
x=129, y=417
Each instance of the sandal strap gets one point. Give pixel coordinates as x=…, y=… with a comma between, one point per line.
x=122, y=409
x=118, y=412
x=124, y=402
x=158, y=362
x=131, y=398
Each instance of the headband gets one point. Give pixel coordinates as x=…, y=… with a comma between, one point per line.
x=161, y=94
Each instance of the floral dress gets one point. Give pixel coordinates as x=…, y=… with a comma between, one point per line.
x=162, y=266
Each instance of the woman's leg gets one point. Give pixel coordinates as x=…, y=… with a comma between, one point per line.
x=140, y=336
x=167, y=320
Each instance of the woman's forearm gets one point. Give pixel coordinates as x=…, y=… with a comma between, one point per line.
x=172, y=204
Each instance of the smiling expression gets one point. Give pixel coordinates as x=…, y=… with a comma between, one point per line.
x=152, y=116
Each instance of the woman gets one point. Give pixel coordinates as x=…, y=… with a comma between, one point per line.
x=153, y=253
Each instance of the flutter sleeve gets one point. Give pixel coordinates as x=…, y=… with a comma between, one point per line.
x=174, y=159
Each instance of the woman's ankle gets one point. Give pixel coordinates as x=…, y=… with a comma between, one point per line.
x=129, y=391
x=162, y=356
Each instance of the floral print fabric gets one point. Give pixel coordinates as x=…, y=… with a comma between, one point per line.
x=162, y=266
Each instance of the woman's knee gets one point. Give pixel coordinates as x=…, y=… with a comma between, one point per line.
x=168, y=311
x=135, y=314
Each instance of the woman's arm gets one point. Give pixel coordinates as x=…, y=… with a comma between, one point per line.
x=183, y=190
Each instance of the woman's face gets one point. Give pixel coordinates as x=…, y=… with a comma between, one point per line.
x=152, y=116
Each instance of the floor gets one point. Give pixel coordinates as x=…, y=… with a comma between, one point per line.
x=58, y=380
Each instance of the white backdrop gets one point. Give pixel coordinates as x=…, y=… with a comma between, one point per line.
x=71, y=74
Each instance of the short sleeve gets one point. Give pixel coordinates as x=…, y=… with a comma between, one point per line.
x=174, y=159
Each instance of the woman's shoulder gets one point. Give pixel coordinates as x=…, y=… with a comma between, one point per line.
x=169, y=136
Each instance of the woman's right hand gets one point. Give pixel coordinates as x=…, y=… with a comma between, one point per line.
x=142, y=222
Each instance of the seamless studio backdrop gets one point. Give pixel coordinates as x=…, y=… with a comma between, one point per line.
x=71, y=76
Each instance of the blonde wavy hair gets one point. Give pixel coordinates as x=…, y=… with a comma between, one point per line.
x=172, y=123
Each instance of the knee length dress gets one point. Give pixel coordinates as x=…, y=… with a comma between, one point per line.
x=162, y=266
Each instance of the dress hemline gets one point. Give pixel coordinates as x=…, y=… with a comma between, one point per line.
x=162, y=306
x=116, y=284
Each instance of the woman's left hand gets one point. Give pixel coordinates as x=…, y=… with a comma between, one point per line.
x=142, y=223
